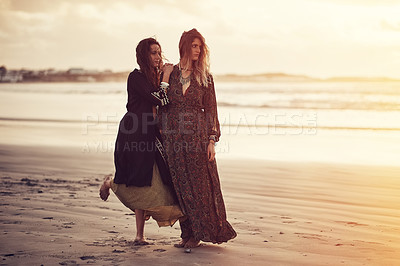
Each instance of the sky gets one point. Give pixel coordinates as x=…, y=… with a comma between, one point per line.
x=318, y=38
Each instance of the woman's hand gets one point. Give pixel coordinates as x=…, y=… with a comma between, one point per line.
x=167, y=68
x=211, y=151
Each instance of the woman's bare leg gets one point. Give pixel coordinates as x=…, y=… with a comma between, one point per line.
x=140, y=219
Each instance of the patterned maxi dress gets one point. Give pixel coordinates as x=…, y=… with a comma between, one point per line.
x=186, y=124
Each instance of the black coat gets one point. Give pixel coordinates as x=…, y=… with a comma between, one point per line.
x=138, y=142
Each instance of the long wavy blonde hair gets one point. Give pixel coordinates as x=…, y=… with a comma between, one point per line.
x=201, y=67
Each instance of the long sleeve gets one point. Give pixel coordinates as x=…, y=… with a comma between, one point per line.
x=138, y=84
x=210, y=108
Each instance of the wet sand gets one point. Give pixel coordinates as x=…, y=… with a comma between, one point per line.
x=285, y=213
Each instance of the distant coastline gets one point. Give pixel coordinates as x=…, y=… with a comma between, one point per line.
x=283, y=77
x=85, y=75
x=53, y=75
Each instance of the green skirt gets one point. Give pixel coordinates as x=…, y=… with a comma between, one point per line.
x=158, y=200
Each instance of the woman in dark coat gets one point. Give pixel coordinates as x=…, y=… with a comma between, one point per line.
x=190, y=130
x=142, y=180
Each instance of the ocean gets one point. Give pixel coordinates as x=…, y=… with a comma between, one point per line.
x=346, y=122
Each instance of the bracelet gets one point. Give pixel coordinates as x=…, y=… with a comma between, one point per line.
x=164, y=85
x=213, y=137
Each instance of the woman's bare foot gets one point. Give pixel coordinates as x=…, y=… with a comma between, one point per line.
x=105, y=188
x=140, y=241
x=192, y=243
x=182, y=243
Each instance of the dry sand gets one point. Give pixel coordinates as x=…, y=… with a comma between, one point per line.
x=285, y=214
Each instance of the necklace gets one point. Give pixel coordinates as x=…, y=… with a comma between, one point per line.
x=183, y=80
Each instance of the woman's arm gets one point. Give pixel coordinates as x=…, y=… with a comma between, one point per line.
x=210, y=109
x=213, y=127
x=138, y=83
x=162, y=93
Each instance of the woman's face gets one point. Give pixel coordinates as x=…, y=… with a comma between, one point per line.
x=196, y=48
x=155, y=55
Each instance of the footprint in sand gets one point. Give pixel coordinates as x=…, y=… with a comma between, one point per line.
x=352, y=224
x=68, y=262
x=97, y=244
x=87, y=258
x=286, y=220
x=311, y=236
x=118, y=251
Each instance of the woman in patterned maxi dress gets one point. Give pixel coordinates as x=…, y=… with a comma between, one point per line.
x=190, y=128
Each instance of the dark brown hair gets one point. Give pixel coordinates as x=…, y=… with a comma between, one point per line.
x=201, y=67
x=144, y=62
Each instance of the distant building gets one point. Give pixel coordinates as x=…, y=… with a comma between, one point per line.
x=92, y=72
x=3, y=71
x=76, y=71
x=10, y=76
x=52, y=71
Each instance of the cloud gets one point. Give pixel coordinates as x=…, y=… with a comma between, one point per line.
x=361, y=2
x=45, y=6
x=385, y=25
x=30, y=6
x=88, y=33
x=250, y=37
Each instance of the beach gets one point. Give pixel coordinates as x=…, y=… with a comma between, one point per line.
x=284, y=213
x=314, y=191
